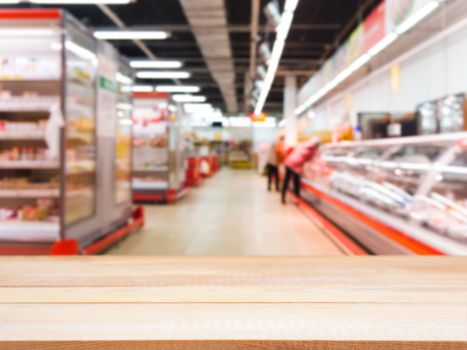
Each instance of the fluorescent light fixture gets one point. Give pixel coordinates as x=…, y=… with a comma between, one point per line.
x=155, y=64
x=162, y=75
x=271, y=73
x=80, y=51
x=282, y=31
x=27, y=31
x=189, y=98
x=417, y=17
x=178, y=88
x=385, y=42
x=79, y=2
x=283, y=28
x=290, y=5
x=125, y=106
x=131, y=34
x=141, y=88
x=123, y=79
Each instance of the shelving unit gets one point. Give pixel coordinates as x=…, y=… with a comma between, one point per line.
x=158, y=157
x=52, y=154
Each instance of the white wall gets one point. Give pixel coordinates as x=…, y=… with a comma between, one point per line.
x=434, y=72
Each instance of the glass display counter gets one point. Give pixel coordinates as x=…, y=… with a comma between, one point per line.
x=416, y=186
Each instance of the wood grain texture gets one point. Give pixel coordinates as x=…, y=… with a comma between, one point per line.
x=233, y=303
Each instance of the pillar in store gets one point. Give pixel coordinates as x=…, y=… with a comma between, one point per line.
x=290, y=98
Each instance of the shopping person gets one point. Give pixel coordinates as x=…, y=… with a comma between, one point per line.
x=275, y=158
x=294, y=162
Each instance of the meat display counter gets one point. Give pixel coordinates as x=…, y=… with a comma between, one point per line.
x=395, y=196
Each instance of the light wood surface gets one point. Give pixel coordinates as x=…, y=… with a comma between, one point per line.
x=233, y=303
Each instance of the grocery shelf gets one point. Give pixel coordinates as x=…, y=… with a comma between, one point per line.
x=27, y=104
x=28, y=164
x=151, y=169
x=29, y=193
x=12, y=136
x=27, y=231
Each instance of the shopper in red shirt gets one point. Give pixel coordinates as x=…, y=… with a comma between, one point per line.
x=275, y=158
x=294, y=165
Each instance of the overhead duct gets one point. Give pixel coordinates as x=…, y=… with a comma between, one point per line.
x=208, y=21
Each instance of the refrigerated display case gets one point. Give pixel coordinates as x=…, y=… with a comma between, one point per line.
x=158, y=158
x=49, y=134
x=398, y=196
x=123, y=139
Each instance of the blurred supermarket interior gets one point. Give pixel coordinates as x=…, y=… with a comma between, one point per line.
x=233, y=127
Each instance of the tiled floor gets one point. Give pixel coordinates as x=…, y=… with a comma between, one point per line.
x=230, y=214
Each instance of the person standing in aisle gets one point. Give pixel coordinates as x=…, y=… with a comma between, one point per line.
x=294, y=165
x=275, y=157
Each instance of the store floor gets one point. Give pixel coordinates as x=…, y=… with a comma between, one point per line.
x=230, y=214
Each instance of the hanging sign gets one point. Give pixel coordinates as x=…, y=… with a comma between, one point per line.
x=375, y=27
x=106, y=90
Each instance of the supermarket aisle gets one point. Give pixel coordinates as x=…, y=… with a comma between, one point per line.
x=230, y=214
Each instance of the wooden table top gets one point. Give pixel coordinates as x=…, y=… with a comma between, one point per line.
x=233, y=303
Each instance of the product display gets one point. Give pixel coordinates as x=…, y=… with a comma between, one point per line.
x=29, y=180
x=123, y=146
x=49, y=134
x=159, y=150
x=150, y=143
x=417, y=186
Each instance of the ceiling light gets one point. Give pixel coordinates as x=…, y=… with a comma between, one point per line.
x=123, y=79
x=417, y=17
x=155, y=64
x=189, y=98
x=265, y=51
x=272, y=13
x=163, y=75
x=290, y=5
x=178, y=88
x=78, y=2
x=261, y=71
x=141, y=88
x=131, y=34
x=282, y=29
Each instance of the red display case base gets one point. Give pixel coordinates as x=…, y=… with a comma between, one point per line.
x=71, y=246
x=171, y=196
